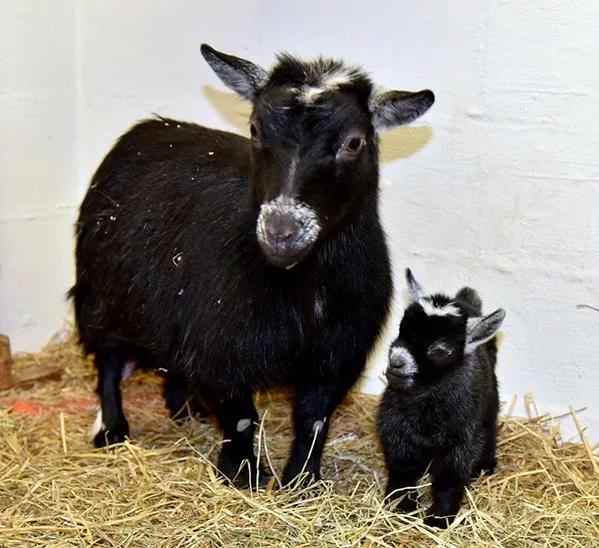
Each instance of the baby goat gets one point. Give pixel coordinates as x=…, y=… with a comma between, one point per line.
x=441, y=403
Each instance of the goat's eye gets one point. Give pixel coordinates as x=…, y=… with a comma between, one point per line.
x=253, y=130
x=353, y=145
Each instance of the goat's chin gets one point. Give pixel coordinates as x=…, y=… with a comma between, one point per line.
x=400, y=382
x=286, y=260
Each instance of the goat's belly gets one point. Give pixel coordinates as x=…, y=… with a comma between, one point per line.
x=244, y=364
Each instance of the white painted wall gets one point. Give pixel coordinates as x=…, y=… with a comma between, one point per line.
x=38, y=162
x=498, y=186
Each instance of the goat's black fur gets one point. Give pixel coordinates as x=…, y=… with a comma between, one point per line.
x=170, y=271
x=440, y=409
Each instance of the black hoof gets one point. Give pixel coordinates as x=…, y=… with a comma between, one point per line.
x=406, y=502
x=105, y=438
x=300, y=480
x=439, y=523
x=244, y=479
x=486, y=468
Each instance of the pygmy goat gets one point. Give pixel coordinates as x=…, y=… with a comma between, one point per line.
x=440, y=406
x=238, y=265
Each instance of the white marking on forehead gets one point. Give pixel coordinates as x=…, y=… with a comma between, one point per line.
x=329, y=81
x=402, y=354
x=98, y=424
x=450, y=309
x=243, y=424
x=304, y=214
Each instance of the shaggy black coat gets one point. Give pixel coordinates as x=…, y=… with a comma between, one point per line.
x=440, y=407
x=170, y=272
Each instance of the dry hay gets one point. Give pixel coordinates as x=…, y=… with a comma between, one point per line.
x=161, y=489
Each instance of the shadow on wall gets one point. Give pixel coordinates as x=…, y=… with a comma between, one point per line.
x=231, y=108
x=403, y=142
x=400, y=142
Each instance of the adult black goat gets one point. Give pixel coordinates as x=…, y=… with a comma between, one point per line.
x=241, y=265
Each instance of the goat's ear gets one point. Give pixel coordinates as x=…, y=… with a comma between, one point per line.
x=395, y=108
x=416, y=291
x=480, y=330
x=243, y=77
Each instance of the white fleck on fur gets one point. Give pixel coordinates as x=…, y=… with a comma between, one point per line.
x=318, y=307
x=243, y=424
x=304, y=214
x=98, y=424
x=409, y=363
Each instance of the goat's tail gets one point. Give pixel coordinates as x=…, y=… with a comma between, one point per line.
x=470, y=298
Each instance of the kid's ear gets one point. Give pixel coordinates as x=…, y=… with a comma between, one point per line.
x=416, y=292
x=480, y=330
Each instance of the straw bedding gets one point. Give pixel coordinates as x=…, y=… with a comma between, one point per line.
x=161, y=489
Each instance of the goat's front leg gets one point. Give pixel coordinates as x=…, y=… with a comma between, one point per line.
x=314, y=404
x=311, y=415
x=451, y=475
x=335, y=368
x=237, y=417
x=406, y=464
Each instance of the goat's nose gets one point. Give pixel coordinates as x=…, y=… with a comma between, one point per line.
x=401, y=362
x=396, y=361
x=281, y=229
x=279, y=233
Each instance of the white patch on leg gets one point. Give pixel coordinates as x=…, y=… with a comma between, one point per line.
x=128, y=368
x=98, y=424
x=243, y=424
x=317, y=426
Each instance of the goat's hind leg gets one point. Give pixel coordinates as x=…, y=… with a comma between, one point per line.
x=179, y=401
x=111, y=425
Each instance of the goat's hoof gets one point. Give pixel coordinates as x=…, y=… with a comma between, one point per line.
x=300, y=481
x=439, y=523
x=243, y=480
x=406, y=504
x=108, y=437
x=485, y=467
